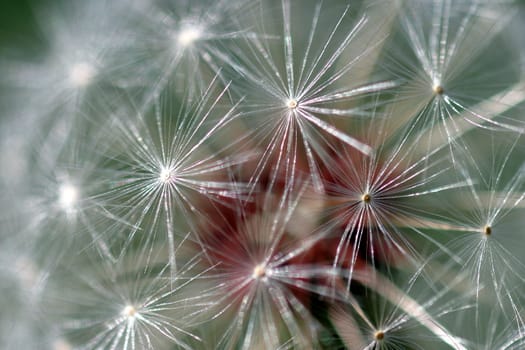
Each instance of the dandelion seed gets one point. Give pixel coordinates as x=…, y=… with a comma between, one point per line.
x=484, y=219
x=396, y=319
x=259, y=280
x=293, y=93
x=132, y=305
x=81, y=37
x=168, y=165
x=452, y=85
x=60, y=208
x=178, y=39
x=371, y=202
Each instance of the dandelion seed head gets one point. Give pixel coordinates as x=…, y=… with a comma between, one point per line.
x=366, y=198
x=189, y=35
x=487, y=230
x=81, y=74
x=67, y=197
